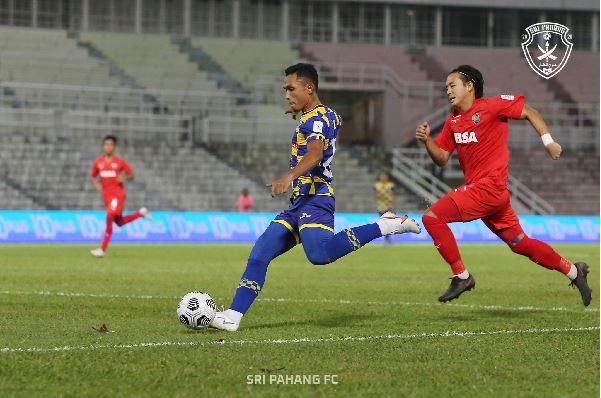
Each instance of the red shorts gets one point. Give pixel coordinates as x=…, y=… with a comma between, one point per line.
x=481, y=200
x=114, y=203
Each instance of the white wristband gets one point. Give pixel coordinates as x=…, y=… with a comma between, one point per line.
x=547, y=139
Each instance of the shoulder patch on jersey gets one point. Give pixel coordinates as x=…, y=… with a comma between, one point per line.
x=317, y=126
x=507, y=97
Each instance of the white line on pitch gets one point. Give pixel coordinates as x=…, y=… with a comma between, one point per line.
x=293, y=300
x=449, y=333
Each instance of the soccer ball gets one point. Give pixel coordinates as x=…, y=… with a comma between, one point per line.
x=196, y=310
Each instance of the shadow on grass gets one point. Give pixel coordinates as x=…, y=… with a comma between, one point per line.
x=329, y=321
x=495, y=314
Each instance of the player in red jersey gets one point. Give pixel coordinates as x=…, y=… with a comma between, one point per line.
x=477, y=129
x=113, y=172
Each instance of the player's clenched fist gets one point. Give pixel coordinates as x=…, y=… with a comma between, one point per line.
x=422, y=132
x=280, y=186
x=554, y=150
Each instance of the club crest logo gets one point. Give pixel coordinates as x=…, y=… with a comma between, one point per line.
x=476, y=118
x=547, y=48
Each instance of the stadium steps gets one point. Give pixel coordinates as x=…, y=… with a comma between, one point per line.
x=431, y=67
x=125, y=79
x=207, y=64
x=50, y=57
x=158, y=65
x=563, y=95
x=15, y=196
x=570, y=184
x=377, y=159
x=115, y=70
x=13, y=199
x=249, y=61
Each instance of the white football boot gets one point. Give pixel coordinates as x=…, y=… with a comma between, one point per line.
x=223, y=322
x=99, y=253
x=390, y=223
x=145, y=213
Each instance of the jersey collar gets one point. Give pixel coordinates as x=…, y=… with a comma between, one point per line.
x=312, y=109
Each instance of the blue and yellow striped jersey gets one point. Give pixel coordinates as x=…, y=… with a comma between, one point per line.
x=320, y=123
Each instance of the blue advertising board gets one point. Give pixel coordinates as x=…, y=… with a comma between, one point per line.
x=195, y=227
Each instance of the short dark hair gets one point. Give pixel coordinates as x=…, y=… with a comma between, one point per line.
x=304, y=71
x=110, y=137
x=468, y=73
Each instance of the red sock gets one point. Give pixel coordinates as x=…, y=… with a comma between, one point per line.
x=108, y=231
x=120, y=220
x=445, y=242
x=542, y=254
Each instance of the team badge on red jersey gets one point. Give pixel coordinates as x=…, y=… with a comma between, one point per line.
x=476, y=118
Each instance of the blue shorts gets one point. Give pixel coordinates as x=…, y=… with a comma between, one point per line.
x=311, y=211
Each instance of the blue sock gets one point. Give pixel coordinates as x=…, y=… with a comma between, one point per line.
x=274, y=241
x=250, y=285
x=351, y=239
x=323, y=247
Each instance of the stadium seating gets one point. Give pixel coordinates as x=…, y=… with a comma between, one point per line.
x=353, y=180
x=14, y=199
x=393, y=56
x=195, y=179
x=48, y=56
x=571, y=184
x=577, y=79
x=56, y=174
x=504, y=69
x=157, y=65
x=186, y=135
x=249, y=60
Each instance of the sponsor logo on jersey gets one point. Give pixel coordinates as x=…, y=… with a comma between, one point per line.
x=317, y=126
x=507, y=97
x=108, y=173
x=465, y=138
x=547, y=48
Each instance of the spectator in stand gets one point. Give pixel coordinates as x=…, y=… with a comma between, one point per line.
x=245, y=202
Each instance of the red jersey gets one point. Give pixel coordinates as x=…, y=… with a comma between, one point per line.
x=109, y=170
x=480, y=137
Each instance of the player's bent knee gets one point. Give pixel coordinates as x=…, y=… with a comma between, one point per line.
x=428, y=221
x=430, y=213
x=317, y=256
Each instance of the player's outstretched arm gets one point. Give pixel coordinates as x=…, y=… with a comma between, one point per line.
x=538, y=123
x=96, y=184
x=438, y=155
x=308, y=162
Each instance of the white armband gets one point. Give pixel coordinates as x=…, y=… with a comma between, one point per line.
x=547, y=139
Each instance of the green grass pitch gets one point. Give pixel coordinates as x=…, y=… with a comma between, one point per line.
x=371, y=322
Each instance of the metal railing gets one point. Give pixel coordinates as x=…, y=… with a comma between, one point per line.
x=223, y=129
x=417, y=179
x=82, y=124
x=411, y=166
x=528, y=197
x=153, y=101
x=363, y=76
